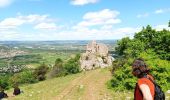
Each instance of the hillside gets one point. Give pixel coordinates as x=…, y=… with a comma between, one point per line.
x=89, y=85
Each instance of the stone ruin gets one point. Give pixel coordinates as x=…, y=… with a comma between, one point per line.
x=96, y=56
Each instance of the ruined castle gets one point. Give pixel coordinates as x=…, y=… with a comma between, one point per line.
x=96, y=56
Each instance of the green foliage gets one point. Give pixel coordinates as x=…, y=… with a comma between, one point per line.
x=159, y=69
x=4, y=83
x=58, y=69
x=159, y=41
x=147, y=35
x=72, y=66
x=122, y=45
x=21, y=60
x=40, y=72
x=122, y=77
x=151, y=45
x=135, y=47
x=26, y=59
x=23, y=77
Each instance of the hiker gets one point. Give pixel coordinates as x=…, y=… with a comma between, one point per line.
x=144, y=89
x=3, y=94
x=17, y=90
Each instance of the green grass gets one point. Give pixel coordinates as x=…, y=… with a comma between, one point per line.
x=51, y=88
x=45, y=90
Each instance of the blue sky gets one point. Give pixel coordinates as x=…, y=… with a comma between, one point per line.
x=79, y=19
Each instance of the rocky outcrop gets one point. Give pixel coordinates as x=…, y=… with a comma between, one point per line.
x=96, y=55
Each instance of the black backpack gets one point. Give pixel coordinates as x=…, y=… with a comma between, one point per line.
x=159, y=94
x=3, y=95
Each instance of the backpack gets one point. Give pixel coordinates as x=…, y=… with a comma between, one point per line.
x=159, y=94
x=3, y=95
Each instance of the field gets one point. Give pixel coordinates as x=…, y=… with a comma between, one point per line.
x=45, y=51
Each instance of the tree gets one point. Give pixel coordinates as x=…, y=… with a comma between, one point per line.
x=169, y=24
x=40, y=72
x=135, y=47
x=72, y=66
x=58, y=69
x=147, y=35
x=122, y=45
x=154, y=47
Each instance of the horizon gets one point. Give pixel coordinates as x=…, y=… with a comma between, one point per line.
x=79, y=19
x=53, y=40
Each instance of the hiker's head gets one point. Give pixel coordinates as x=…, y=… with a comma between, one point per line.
x=139, y=67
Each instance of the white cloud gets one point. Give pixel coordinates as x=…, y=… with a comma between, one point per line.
x=98, y=34
x=33, y=18
x=4, y=3
x=143, y=15
x=94, y=25
x=9, y=35
x=81, y=34
x=103, y=17
x=161, y=27
x=12, y=28
x=17, y=21
x=11, y=23
x=46, y=26
x=83, y=2
x=106, y=27
x=160, y=11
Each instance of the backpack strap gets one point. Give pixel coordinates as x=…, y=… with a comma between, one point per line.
x=150, y=79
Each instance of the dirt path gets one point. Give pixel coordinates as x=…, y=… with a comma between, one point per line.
x=90, y=86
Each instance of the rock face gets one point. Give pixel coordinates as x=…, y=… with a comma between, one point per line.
x=96, y=55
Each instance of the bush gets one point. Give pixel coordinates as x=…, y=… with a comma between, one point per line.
x=122, y=77
x=23, y=77
x=40, y=72
x=151, y=45
x=58, y=69
x=72, y=66
x=4, y=82
x=124, y=80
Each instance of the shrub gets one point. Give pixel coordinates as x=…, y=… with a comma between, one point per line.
x=151, y=45
x=122, y=77
x=58, y=69
x=4, y=82
x=72, y=66
x=124, y=80
x=40, y=72
x=23, y=77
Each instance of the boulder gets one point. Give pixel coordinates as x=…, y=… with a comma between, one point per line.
x=96, y=55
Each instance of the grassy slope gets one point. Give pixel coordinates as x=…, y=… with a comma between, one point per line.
x=89, y=85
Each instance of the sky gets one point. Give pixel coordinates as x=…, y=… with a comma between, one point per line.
x=39, y=20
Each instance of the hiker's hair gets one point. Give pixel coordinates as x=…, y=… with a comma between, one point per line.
x=139, y=67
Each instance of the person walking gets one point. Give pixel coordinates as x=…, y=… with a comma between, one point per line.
x=145, y=89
